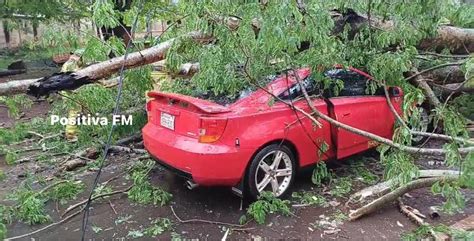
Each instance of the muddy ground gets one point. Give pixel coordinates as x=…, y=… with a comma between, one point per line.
x=117, y=216
x=218, y=204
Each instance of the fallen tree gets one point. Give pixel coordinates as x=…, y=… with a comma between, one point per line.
x=384, y=187
x=458, y=40
x=448, y=36
x=393, y=195
x=92, y=73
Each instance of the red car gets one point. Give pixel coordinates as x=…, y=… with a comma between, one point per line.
x=258, y=144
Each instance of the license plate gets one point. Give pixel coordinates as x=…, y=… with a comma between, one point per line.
x=167, y=120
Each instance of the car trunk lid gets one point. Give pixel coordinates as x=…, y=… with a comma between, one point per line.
x=187, y=115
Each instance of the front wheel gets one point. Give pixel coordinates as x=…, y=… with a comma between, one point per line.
x=273, y=169
x=422, y=126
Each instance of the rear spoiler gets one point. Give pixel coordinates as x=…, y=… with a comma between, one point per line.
x=203, y=105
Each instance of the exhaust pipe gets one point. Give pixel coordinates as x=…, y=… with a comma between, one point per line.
x=191, y=185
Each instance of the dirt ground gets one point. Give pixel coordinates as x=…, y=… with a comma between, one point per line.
x=217, y=204
x=117, y=215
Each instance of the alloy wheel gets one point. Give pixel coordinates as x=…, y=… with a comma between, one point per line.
x=274, y=173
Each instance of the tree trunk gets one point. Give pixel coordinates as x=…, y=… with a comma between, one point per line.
x=6, y=32
x=458, y=40
x=92, y=73
x=392, y=196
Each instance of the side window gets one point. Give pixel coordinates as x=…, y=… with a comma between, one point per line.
x=295, y=90
x=354, y=83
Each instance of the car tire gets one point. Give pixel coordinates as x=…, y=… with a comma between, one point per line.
x=263, y=175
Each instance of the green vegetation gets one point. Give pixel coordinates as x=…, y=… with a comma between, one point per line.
x=30, y=203
x=310, y=198
x=340, y=186
x=135, y=234
x=266, y=204
x=320, y=173
x=142, y=191
x=66, y=191
x=276, y=45
x=30, y=206
x=424, y=231
x=158, y=226
x=2, y=175
x=362, y=173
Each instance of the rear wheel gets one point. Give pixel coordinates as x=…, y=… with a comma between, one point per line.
x=273, y=170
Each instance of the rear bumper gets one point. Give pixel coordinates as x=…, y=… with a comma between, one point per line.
x=206, y=164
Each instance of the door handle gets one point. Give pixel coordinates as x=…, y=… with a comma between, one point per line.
x=346, y=114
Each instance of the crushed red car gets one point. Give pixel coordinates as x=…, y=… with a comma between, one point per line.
x=258, y=144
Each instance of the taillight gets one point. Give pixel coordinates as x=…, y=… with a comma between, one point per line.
x=211, y=129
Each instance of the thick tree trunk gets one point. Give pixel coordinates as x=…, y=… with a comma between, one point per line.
x=392, y=196
x=446, y=75
x=458, y=40
x=90, y=74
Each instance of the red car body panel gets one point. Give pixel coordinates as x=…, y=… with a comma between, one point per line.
x=251, y=123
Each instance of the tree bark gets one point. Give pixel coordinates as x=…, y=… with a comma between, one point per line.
x=384, y=187
x=420, y=82
x=392, y=196
x=92, y=73
x=457, y=40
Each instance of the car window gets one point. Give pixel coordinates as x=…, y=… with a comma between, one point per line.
x=355, y=84
x=295, y=90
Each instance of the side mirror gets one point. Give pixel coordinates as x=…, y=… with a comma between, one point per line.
x=394, y=91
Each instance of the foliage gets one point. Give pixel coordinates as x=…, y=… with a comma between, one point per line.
x=362, y=173
x=2, y=175
x=267, y=204
x=30, y=206
x=123, y=219
x=424, y=231
x=158, y=226
x=135, y=234
x=30, y=203
x=59, y=10
x=310, y=198
x=66, y=191
x=104, y=14
x=340, y=186
x=96, y=229
x=142, y=191
x=7, y=214
x=14, y=104
x=451, y=191
x=320, y=173
x=3, y=231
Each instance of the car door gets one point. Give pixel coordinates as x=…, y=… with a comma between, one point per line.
x=353, y=107
x=314, y=142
